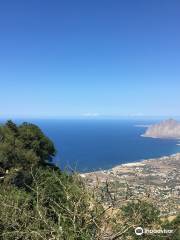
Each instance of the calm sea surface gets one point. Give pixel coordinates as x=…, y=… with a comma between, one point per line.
x=87, y=145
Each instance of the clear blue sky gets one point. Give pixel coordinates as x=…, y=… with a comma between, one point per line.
x=73, y=58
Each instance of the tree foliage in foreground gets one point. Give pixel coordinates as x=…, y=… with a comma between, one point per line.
x=24, y=146
x=21, y=148
x=38, y=201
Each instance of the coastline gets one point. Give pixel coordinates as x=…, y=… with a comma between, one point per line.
x=141, y=162
x=160, y=137
x=156, y=179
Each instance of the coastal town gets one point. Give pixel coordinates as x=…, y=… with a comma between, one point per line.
x=154, y=180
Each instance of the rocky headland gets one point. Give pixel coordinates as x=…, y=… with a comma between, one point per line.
x=165, y=129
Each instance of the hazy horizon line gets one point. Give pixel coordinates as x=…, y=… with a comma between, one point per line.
x=89, y=117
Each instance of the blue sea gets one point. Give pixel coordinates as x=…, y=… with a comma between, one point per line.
x=87, y=145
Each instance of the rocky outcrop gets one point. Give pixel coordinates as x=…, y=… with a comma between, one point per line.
x=166, y=129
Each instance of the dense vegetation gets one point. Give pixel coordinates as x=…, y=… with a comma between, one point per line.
x=38, y=201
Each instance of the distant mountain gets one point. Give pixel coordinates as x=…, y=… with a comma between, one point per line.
x=165, y=129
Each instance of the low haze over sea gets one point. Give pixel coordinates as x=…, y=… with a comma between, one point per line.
x=88, y=145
